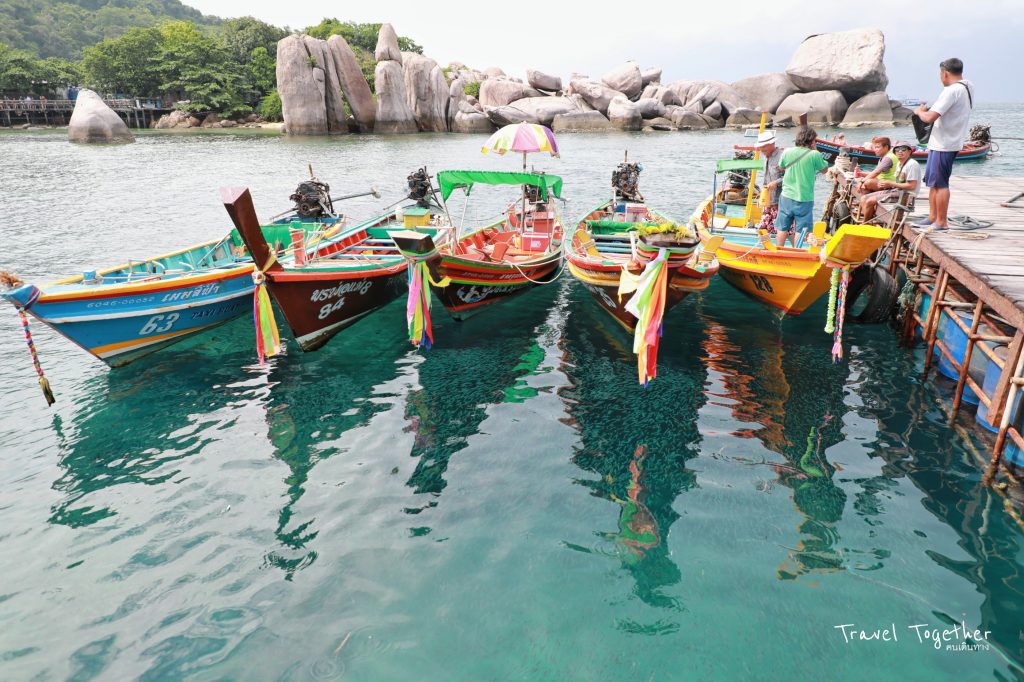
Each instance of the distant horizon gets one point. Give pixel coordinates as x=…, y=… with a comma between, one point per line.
x=687, y=43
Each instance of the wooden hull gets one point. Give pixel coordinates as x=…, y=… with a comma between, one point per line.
x=600, y=272
x=788, y=279
x=318, y=305
x=865, y=157
x=342, y=279
x=475, y=285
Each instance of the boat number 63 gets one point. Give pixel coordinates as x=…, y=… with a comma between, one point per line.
x=761, y=283
x=159, y=324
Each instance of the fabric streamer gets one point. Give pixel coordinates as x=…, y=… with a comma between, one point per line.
x=44, y=383
x=648, y=306
x=417, y=309
x=833, y=291
x=837, y=347
x=268, y=342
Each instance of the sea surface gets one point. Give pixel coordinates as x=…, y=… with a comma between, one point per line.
x=509, y=505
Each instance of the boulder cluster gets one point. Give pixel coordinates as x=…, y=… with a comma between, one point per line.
x=834, y=78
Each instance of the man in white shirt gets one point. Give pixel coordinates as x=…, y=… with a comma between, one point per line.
x=951, y=117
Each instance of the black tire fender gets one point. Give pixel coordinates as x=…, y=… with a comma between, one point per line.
x=882, y=291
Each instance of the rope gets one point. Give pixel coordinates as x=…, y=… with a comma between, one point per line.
x=741, y=256
x=44, y=384
x=561, y=268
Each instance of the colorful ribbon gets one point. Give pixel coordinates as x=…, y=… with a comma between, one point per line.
x=830, y=322
x=648, y=306
x=417, y=307
x=268, y=342
x=837, y=347
x=44, y=384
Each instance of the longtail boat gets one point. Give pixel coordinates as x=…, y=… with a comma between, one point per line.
x=621, y=236
x=474, y=269
x=128, y=311
x=831, y=149
x=637, y=264
x=329, y=285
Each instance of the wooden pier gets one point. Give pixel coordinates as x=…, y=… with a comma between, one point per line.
x=135, y=112
x=980, y=275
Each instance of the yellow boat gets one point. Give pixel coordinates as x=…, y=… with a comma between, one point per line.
x=788, y=278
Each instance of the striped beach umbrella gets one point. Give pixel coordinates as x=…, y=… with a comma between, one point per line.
x=522, y=137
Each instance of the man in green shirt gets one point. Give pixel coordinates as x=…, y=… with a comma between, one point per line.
x=801, y=164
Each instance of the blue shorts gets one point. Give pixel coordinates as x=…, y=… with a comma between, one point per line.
x=799, y=212
x=939, y=168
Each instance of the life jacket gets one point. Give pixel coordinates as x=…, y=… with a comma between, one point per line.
x=893, y=174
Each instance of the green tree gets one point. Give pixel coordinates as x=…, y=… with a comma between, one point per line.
x=196, y=68
x=18, y=69
x=58, y=73
x=242, y=36
x=262, y=71
x=125, y=64
x=270, y=107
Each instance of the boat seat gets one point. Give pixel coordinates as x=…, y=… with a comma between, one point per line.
x=472, y=256
x=587, y=243
x=719, y=223
x=707, y=254
x=504, y=237
x=499, y=250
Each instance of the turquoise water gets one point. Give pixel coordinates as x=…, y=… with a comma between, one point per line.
x=508, y=505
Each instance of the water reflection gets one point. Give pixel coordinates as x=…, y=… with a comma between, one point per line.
x=473, y=364
x=795, y=418
x=637, y=442
x=131, y=425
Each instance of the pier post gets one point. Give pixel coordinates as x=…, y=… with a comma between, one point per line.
x=931, y=325
x=966, y=364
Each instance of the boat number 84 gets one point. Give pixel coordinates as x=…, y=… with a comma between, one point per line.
x=159, y=324
x=761, y=283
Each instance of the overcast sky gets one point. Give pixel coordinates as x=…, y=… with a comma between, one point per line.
x=726, y=41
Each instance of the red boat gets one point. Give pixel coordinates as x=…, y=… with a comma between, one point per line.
x=491, y=263
x=329, y=286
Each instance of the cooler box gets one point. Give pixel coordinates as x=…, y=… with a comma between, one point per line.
x=416, y=217
x=636, y=213
x=533, y=241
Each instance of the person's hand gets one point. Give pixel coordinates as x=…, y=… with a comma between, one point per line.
x=921, y=109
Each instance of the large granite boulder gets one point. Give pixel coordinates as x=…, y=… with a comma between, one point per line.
x=301, y=87
x=176, y=119
x=715, y=110
x=706, y=92
x=387, y=45
x=624, y=114
x=543, y=81
x=493, y=72
x=688, y=120
x=544, y=109
x=427, y=91
x=648, y=76
x=848, y=61
x=581, y=104
x=508, y=114
x=471, y=122
x=828, y=106
x=353, y=84
x=337, y=119
x=93, y=121
x=743, y=117
x=872, y=108
x=580, y=121
x=712, y=122
x=597, y=95
x=658, y=123
x=393, y=112
x=765, y=92
x=650, y=107
x=901, y=114
x=625, y=79
x=497, y=92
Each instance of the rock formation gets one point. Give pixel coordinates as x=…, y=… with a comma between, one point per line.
x=353, y=84
x=849, y=61
x=427, y=91
x=543, y=81
x=497, y=92
x=625, y=79
x=333, y=103
x=579, y=121
x=597, y=95
x=300, y=83
x=765, y=92
x=394, y=115
x=828, y=106
x=873, y=108
x=624, y=114
x=93, y=121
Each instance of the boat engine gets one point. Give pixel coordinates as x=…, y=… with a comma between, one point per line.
x=420, y=188
x=981, y=134
x=626, y=181
x=312, y=200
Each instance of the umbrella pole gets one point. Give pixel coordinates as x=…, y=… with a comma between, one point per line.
x=522, y=220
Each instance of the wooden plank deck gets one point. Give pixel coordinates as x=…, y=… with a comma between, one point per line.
x=992, y=268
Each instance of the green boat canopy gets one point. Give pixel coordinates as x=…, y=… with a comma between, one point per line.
x=452, y=180
x=739, y=164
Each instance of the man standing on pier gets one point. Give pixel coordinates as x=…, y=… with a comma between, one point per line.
x=951, y=116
